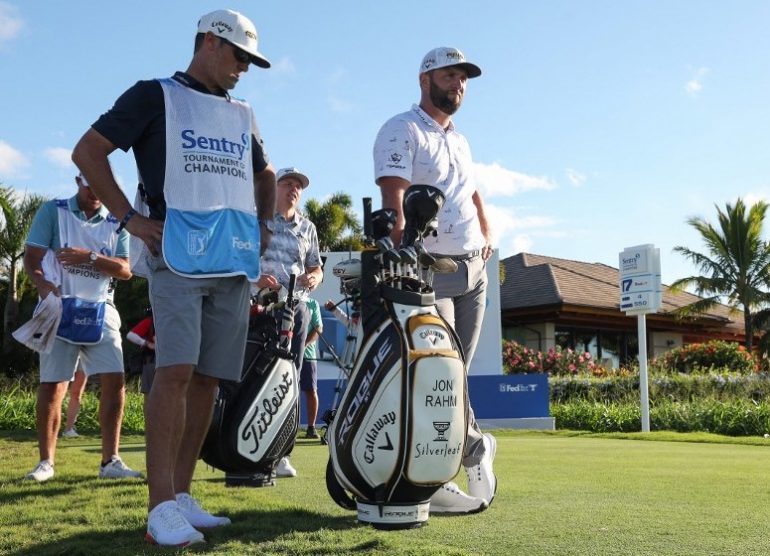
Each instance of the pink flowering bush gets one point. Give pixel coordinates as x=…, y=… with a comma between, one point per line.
x=519, y=359
x=708, y=356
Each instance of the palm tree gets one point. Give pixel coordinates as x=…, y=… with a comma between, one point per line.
x=332, y=219
x=17, y=214
x=737, y=266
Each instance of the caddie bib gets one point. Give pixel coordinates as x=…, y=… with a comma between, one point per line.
x=211, y=226
x=84, y=288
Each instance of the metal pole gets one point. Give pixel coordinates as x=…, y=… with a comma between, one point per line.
x=643, y=388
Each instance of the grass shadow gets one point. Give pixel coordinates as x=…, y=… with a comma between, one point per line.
x=249, y=528
x=15, y=491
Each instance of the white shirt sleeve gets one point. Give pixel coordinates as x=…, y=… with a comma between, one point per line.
x=135, y=338
x=394, y=150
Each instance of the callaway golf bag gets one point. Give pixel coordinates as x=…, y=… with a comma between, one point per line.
x=400, y=430
x=255, y=421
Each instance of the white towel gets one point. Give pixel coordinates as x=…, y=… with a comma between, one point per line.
x=137, y=250
x=39, y=332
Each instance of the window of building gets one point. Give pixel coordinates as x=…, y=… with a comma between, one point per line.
x=612, y=348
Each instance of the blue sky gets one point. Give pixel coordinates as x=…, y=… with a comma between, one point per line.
x=596, y=125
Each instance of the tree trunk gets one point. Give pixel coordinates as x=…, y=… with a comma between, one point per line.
x=747, y=323
x=11, y=313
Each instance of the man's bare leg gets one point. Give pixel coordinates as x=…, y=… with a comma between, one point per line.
x=50, y=396
x=111, y=404
x=200, y=406
x=166, y=416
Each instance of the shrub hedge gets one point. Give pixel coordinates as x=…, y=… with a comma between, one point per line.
x=672, y=387
x=734, y=418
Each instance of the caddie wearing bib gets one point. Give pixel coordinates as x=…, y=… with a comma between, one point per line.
x=73, y=251
x=202, y=169
x=422, y=146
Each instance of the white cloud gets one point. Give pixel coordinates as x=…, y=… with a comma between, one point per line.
x=520, y=243
x=339, y=105
x=753, y=197
x=512, y=233
x=12, y=162
x=284, y=66
x=695, y=85
x=336, y=82
x=494, y=180
x=59, y=156
x=10, y=22
x=338, y=76
x=575, y=178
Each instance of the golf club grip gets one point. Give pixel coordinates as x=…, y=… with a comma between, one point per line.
x=290, y=290
x=343, y=300
x=368, y=231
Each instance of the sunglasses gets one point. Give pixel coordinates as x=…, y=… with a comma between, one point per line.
x=241, y=56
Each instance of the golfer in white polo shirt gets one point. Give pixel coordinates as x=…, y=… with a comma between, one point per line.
x=421, y=146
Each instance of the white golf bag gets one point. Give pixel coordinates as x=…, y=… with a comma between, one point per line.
x=400, y=429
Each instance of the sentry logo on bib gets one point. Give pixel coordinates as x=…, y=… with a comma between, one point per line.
x=220, y=145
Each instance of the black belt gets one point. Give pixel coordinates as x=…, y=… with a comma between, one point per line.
x=463, y=257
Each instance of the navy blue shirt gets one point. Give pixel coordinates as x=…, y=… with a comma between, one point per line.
x=138, y=121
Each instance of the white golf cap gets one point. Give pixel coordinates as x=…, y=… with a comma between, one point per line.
x=445, y=56
x=82, y=179
x=293, y=172
x=236, y=28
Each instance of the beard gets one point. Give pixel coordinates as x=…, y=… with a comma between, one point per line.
x=440, y=99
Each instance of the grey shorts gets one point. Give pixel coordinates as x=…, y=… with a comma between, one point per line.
x=148, y=375
x=105, y=357
x=201, y=322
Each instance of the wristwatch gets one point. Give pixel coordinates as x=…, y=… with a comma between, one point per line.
x=92, y=255
x=268, y=224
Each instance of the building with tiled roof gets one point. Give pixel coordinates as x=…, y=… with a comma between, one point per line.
x=547, y=301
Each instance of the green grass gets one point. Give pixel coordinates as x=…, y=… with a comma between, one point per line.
x=560, y=493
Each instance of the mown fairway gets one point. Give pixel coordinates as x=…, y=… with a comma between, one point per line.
x=559, y=493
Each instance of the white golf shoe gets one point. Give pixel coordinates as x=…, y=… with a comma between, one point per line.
x=284, y=468
x=41, y=473
x=449, y=499
x=168, y=527
x=197, y=516
x=482, y=482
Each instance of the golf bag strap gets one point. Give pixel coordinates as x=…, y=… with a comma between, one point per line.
x=336, y=491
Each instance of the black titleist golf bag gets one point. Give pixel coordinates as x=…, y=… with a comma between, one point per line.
x=400, y=430
x=255, y=421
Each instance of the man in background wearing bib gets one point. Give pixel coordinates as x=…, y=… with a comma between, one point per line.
x=202, y=168
x=72, y=251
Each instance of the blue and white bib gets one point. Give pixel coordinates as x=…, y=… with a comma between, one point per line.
x=211, y=226
x=84, y=288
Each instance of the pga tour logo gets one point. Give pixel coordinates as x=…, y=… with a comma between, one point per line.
x=197, y=242
x=517, y=387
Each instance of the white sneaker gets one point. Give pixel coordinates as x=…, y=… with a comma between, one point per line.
x=482, y=482
x=41, y=473
x=449, y=499
x=70, y=433
x=116, y=469
x=167, y=526
x=197, y=516
x=284, y=468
